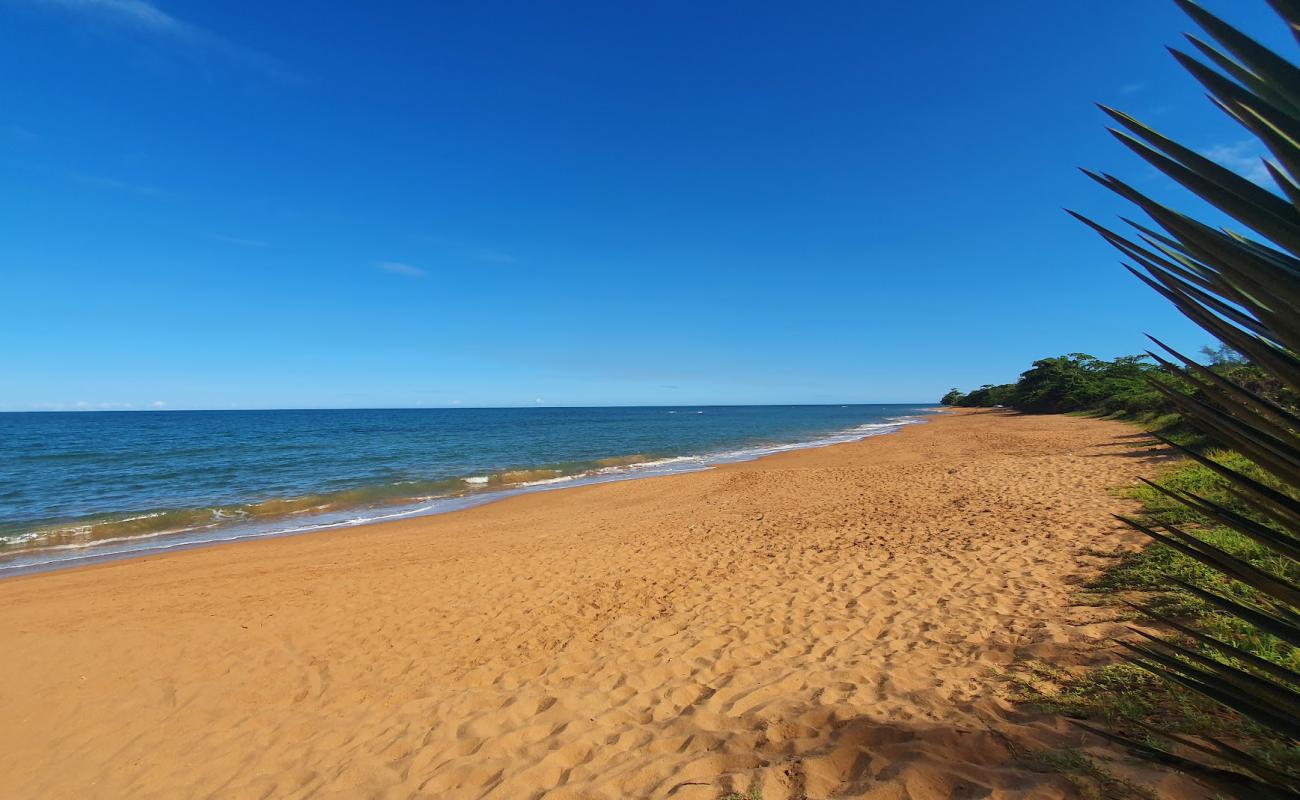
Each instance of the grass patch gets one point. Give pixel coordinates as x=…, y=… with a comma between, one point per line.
x=1147, y=571
x=1127, y=698
x=1189, y=476
x=1119, y=696
x=1169, y=425
x=1091, y=779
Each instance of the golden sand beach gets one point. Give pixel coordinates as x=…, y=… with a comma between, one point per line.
x=821, y=623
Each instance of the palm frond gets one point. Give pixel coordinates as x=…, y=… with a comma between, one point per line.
x=1245, y=292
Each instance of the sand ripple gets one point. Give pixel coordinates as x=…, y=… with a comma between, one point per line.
x=818, y=624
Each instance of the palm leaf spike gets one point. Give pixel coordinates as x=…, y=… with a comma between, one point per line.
x=1219, y=559
x=1249, y=281
x=1275, y=455
x=1284, y=183
x=1278, y=671
x=1278, y=75
x=1225, y=751
x=1235, y=783
x=1286, y=509
x=1281, y=417
x=1238, y=401
x=1236, y=694
x=1176, y=284
x=1245, y=293
x=1269, y=623
x=1243, y=272
x=1261, y=534
x=1289, y=11
x=1266, y=691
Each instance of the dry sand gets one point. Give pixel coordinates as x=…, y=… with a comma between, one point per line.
x=824, y=623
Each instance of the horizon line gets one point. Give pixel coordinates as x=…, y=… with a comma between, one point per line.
x=145, y=410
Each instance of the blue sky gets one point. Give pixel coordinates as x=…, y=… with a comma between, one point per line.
x=217, y=205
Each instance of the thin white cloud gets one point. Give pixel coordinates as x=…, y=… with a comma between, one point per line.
x=102, y=182
x=158, y=404
x=144, y=16
x=495, y=257
x=239, y=241
x=82, y=405
x=20, y=134
x=1244, y=158
x=398, y=268
x=139, y=12
x=1132, y=88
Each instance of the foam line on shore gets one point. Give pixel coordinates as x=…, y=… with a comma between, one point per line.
x=480, y=490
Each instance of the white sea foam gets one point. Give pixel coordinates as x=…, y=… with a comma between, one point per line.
x=240, y=527
x=150, y=515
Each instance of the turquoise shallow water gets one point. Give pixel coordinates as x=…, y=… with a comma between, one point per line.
x=83, y=486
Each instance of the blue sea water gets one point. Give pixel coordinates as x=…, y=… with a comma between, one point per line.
x=77, y=487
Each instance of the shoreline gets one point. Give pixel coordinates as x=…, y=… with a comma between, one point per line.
x=816, y=623
x=20, y=561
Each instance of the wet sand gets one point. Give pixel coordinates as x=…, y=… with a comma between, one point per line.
x=822, y=623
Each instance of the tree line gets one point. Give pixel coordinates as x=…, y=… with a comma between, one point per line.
x=1122, y=386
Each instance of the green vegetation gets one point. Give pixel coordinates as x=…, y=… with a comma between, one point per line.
x=1133, y=700
x=1092, y=780
x=1228, y=527
x=1089, y=774
x=1151, y=570
x=1129, y=386
x=1074, y=382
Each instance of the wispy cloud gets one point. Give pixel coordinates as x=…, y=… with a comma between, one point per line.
x=81, y=405
x=495, y=257
x=93, y=180
x=460, y=249
x=1244, y=158
x=139, y=12
x=144, y=16
x=398, y=268
x=18, y=133
x=85, y=405
x=241, y=242
x=102, y=182
x=1130, y=89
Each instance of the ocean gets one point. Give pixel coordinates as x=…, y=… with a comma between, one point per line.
x=82, y=487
